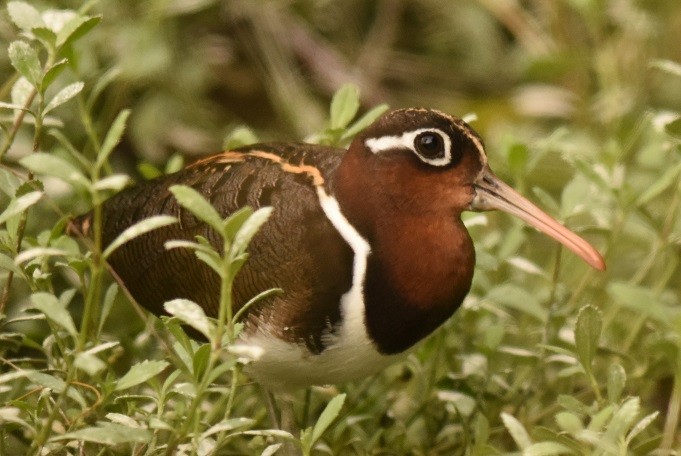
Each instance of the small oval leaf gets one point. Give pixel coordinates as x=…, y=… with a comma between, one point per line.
x=140, y=373
x=25, y=60
x=587, y=334
x=138, y=229
x=344, y=106
x=195, y=203
x=63, y=96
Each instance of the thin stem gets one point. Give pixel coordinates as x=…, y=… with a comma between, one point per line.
x=671, y=423
x=24, y=215
x=17, y=123
x=44, y=433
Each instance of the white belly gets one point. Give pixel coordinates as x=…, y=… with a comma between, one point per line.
x=349, y=352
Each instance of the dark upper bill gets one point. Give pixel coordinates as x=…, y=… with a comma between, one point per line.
x=493, y=193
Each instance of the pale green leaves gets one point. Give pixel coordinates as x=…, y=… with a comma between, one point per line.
x=344, y=107
x=45, y=164
x=107, y=434
x=54, y=166
x=138, y=229
x=237, y=230
x=610, y=430
x=19, y=205
x=113, y=137
x=54, y=28
x=63, y=96
x=238, y=137
x=193, y=201
x=311, y=435
x=140, y=373
x=54, y=310
x=191, y=314
x=24, y=16
x=25, y=60
x=587, y=334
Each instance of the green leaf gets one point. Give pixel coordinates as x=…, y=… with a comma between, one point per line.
x=107, y=434
x=235, y=221
x=18, y=205
x=63, y=96
x=52, y=73
x=102, y=83
x=200, y=361
x=662, y=183
x=249, y=229
x=107, y=305
x=54, y=310
x=255, y=299
x=642, y=425
x=191, y=314
x=89, y=363
x=46, y=36
x=668, y=66
x=195, y=203
x=329, y=414
x=114, y=182
x=174, y=163
x=8, y=264
x=148, y=171
x=546, y=449
x=344, y=106
x=623, y=418
x=138, y=229
x=599, y=419
x=367, y=119
x=587, y=334
x=75, y=29
x=24, y=16
x=271, y=449
x=239, y=137
x=56, y=384
x=140, y=373
x=569, y=422
x=228, y=425
x=36, y=252
x=617, y=378
x=573, y=405
x=25, y=60
x=212, y=259
x=517, y=431
x=113, y=137
x=52, y=165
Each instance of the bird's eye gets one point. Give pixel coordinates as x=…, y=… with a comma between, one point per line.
x=430, y=145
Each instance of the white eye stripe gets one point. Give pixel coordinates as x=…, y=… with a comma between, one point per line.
x=406, y=141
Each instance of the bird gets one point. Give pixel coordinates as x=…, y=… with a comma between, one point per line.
x=367, y=244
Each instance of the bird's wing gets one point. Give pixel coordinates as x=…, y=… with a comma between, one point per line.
x=298, y=249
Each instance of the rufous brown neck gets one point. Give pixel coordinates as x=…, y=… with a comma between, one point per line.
x=422, y=258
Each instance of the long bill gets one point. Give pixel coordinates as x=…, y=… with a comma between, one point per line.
x=493, y=193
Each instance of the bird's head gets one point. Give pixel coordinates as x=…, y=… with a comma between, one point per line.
x=425, y=162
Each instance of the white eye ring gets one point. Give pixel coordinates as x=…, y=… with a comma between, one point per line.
x=406, y=141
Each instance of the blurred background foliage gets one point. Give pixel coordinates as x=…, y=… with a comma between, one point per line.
x=576, y=100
